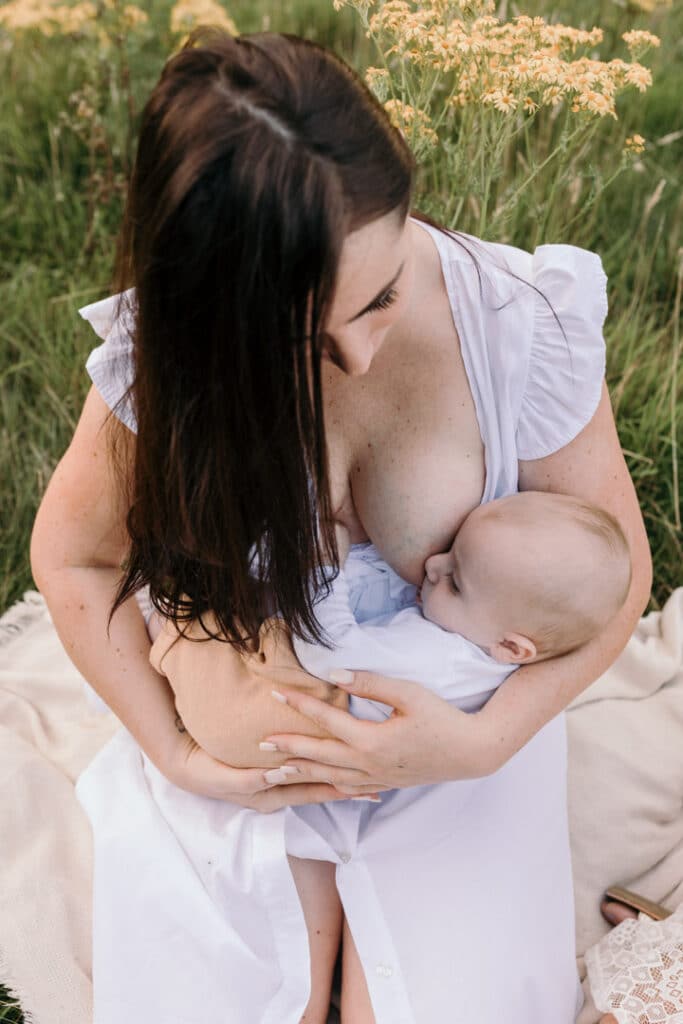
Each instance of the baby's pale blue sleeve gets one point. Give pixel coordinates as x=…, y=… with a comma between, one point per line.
x=565, y=371
x=111, y=365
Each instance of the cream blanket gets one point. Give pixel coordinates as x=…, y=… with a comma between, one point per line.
x=625, y=799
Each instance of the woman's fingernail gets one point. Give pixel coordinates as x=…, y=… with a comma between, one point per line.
x=275, y=775
x=370, y=799
x=279, y=696
x=290, y=769
x=341, y=676
x=267, y=746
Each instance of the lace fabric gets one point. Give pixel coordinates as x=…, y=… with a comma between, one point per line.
x=636, y=970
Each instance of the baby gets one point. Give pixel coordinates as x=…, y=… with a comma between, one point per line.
x=528, y=577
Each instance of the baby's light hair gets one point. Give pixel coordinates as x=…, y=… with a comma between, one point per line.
x=568, y=618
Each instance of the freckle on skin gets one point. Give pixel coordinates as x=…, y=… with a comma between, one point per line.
x=81, y=606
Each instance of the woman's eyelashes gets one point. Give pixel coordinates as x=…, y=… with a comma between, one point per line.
x=386, y=301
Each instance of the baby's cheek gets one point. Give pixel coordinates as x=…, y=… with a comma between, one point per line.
x=434, y=610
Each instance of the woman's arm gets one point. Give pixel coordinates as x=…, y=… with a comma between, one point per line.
x=78, y=540
x=592, y=468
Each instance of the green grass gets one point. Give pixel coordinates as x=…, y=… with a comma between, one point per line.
x=57, y=228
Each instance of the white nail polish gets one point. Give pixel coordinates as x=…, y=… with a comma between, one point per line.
x=274, y=775
x=267, y=746
x=369, y=799
x=290, y=769
x=279, y=696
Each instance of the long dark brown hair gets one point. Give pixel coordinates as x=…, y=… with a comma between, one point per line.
x=257, y=155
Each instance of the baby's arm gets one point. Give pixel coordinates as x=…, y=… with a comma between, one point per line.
x=224, y=701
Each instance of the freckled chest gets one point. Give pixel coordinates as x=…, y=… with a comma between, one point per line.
x=406, y=455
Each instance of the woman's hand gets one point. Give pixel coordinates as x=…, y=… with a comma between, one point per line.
x=425, y=740
x=189, y=766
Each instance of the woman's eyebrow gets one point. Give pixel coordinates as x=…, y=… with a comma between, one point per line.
x=379, y=294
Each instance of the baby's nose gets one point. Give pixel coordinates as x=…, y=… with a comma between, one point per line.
x=432, y=569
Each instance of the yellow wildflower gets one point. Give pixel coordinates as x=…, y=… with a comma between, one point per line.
x=427, y=136
x=413, y=123
x=634, y=144
x=133, y=16
x=504, y=101
x=401, y=114
x=360, y=5
x=188, y=13
x=640, y=40
x=596, y=103
x=499, y=99
x=553, y=95
x=459, y=99
x=639, y=76
x=378, y=80
x=651, y=5
x=47, y=16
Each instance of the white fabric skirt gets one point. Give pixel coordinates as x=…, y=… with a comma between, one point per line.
x=459, y=897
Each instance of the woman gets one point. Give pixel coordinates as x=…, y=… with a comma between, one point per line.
x=304, y=353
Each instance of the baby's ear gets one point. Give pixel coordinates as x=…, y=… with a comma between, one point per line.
x=513, y=649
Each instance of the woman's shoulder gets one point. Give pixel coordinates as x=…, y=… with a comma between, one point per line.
x=538, y=316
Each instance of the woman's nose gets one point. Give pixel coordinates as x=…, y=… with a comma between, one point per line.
x=355, y=362
x=354, y=354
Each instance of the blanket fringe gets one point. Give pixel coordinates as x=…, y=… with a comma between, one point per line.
x=21, y=615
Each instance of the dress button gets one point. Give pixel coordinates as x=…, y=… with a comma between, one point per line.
x=384, y=970
x=345, y=858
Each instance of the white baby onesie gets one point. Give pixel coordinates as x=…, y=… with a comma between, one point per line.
x=399, y=643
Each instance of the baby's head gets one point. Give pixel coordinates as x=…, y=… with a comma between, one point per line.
x=529, y=576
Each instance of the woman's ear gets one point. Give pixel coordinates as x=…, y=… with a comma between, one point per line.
x=513, y=649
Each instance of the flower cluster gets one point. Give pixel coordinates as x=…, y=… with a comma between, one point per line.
x=649, y=6
x=634, y=144
x=52, y=18
x=378, y=80
x=408, y=120
x=47, y=17
x=186, y=14
x=638, y=41
x=525, y=63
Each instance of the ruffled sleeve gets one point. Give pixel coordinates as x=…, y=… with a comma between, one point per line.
x=111, y=365
x=565, y=372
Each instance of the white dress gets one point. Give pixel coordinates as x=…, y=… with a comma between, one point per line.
x=458, y=895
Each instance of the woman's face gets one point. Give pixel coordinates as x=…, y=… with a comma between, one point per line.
x=373, y=291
